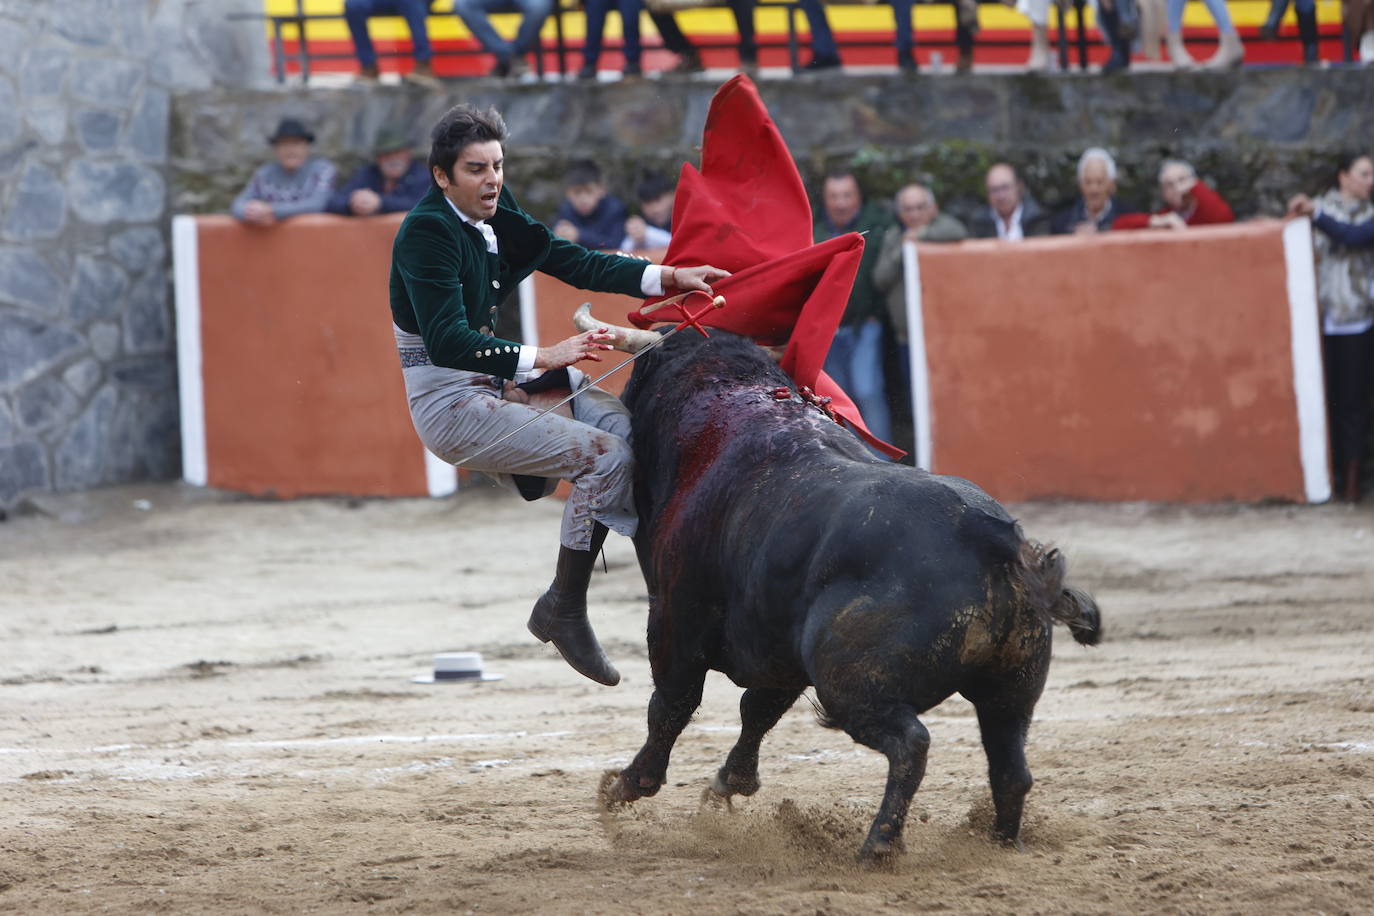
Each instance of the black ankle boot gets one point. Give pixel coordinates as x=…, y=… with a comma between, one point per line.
x=560, y=614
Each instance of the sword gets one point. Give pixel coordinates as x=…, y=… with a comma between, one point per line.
x=691, y=321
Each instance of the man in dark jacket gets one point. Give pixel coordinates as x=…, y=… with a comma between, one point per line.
x=855, y=360
x=1012, y=214
x=1096, y=206
x=392, y=183
x=457, y=257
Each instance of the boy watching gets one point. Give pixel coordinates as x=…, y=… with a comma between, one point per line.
x=588, y=215
x=652, y=229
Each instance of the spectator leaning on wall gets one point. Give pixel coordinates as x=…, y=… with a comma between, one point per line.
x=294, y=182
x=1096, y=206
x=920, y=220
x=1345, y=296
x=1011, y=214
x=392, y=183
x=1187, y=202
x=855, y=360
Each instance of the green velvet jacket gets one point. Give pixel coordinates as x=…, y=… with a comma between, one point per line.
x=446, y=286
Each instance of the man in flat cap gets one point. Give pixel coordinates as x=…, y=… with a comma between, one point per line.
x=294, y=182
x=393, y=182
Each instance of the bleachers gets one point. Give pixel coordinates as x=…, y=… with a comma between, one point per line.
x=309, y=37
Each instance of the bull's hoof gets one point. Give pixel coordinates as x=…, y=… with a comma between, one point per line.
x=616, y=790
x=1009, y=842
x=613, y=791
x=881, y=848
x=726, y=785
x=710, y=798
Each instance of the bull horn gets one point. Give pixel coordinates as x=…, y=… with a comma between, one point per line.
x=630, y=340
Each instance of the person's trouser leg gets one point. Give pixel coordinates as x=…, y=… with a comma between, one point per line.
x=1349, y=364
x=1270, y=28
x=744, y=25
x=414, y=13
x=596, y=27
x=1307, y=30
x=534, y=14
x=674, y=39
x=356, y=14
x=1110, y=18
x=459, y=416
x=866, y=370
x=474, y=15
x=629, y=27
x=905, y=38
x=823, y=45
x=840, y=358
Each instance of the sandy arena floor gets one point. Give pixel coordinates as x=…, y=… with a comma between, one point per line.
x=206, y=706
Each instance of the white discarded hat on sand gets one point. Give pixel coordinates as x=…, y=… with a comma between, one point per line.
x=458, y=668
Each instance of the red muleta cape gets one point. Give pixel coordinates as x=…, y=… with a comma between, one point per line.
x=746, y=211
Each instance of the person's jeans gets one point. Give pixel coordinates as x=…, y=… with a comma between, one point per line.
x=677, y=42
x=357, y=12
x=855, y=362
x=822, y=39
x=901, y=9
x=596, y=24
x=474, y=14
x=1217, y=8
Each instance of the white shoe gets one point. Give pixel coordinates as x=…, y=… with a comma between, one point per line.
x=1178, y=54
x=1230, y=52
x=1367, y=48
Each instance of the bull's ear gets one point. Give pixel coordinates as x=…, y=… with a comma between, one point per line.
x=630, y=340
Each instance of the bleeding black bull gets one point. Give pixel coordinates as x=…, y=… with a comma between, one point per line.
x=779, y=552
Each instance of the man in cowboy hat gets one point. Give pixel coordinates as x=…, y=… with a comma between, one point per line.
x=294, y=182
x=392, y=183
x=459, y=254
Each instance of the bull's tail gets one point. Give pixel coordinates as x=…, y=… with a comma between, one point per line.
x=1039, y=575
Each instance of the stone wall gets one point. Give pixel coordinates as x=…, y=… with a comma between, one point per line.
x=87, y=366
x=114, y=114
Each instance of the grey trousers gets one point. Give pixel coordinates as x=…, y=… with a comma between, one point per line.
x=456, y=413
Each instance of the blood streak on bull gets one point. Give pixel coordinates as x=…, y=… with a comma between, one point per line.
x=779, y=551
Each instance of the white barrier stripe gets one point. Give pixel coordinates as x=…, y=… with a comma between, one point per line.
x=190, y=381
x=916, y=339
x=1308, y=384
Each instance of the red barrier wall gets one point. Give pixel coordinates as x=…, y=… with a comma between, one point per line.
x=1149, y=365
x=302, y=386
x=1134, y=366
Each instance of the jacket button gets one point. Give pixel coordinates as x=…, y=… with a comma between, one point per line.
x=484, y=331
x=495, y=284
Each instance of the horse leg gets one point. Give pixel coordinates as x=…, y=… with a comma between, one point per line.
x=671, y=706
x=759, y=710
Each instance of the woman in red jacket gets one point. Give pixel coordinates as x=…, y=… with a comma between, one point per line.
x=1187, y=202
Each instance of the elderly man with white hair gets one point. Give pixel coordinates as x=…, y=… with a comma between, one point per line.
x=1096, y=207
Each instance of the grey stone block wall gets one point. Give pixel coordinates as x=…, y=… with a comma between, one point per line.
x=87, y=366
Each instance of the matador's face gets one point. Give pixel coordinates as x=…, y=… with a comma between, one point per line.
x=475, y=183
